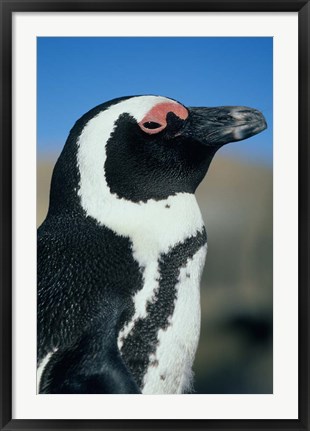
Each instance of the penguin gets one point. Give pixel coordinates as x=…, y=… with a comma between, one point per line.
x=121, y=251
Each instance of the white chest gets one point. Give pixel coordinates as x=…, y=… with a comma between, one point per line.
x=154, y=229
x=170, y=367
x=164, y=331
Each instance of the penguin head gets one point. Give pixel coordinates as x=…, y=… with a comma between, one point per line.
x=148, y=147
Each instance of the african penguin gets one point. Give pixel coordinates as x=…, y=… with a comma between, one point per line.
x=121, y=251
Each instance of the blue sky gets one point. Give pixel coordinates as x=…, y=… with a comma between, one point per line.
x=76, y=74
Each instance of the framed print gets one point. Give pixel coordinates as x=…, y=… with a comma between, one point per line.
x=113, y=114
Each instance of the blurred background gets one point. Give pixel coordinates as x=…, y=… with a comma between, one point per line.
x=75, y=74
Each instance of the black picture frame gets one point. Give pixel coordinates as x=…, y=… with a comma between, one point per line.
x=7, y=10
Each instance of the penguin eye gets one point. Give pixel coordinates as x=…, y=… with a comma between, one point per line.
x=151, y=125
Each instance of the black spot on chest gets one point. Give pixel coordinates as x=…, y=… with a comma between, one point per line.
x=142, y=340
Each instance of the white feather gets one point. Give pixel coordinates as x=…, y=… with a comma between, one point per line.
x=41, y=368
x=178, y=343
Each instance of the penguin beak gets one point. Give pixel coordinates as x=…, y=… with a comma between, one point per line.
x=218, y=126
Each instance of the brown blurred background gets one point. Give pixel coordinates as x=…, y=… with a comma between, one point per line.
x=235, y=349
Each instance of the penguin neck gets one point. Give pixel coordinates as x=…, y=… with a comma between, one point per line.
x=153, y=226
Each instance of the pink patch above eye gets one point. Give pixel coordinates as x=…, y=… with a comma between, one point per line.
x=158, y=114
